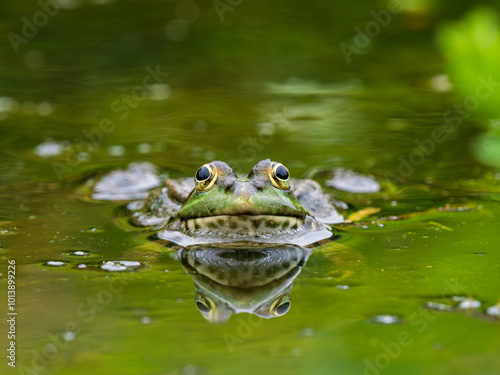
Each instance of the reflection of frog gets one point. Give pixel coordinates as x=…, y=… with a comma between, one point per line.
x=239, y=278
x=218, y=206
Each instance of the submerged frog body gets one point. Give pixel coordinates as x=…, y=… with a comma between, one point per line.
x=219, y=206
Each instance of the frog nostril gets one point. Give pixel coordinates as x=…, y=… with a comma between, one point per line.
x=229, y=187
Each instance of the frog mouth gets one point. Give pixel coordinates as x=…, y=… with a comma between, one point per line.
x=243, y=206
x=244, y=223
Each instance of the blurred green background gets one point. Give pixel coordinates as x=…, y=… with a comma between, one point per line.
x=414, y=102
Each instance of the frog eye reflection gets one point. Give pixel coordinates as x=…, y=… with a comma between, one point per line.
x=206, y=177
x=202, y=307
x=281, y=309
x=279, y=176
x=203, y=304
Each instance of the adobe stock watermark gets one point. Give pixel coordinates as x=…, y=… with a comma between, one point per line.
x=372, y=29
x=59, y=343
x=244, y=330
x=121, y=107
x=31, y=26
x=278, y=121
x=222, y=6
x=419, y=322
x=453, y=118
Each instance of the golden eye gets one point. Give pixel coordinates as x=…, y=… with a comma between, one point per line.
x=203, y=307
x=281, y=306
x=204, y=304
x=206, y=177
x=279, y=176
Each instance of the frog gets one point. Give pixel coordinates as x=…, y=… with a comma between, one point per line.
x=219, y=206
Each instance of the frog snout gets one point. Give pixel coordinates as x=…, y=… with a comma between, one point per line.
x=243, y=190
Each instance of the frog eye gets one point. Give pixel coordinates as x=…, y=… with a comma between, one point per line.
x=279, y=176
x=281, y=306
x=203, y=304
x=205, y=177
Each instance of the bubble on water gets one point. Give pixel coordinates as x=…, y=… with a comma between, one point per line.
x=44, y=108
x=127, y=184
x=469, y=304
x=120, y=265
x=8, y=104
x=129, y=263
x=493, y=310
x=48, y=149
x=438, y=306
x=187, y=10
x=159, y=91
x=145, y=320
x=113, y=267
x=385, y=319
x=92, y=230
x=343, y=287
x=440, y=83
x=7, y=232
x=80, y=253
x=82, y=266
x=353, y=182
x=176, y=30
x=68, y=336
x=144, y=148
x=116, y=150
x=55, y=263
x=34, y=59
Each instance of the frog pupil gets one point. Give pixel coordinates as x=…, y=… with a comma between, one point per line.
x=283, y=308
x=282, y=173
x=202, y=174
x=202, y=307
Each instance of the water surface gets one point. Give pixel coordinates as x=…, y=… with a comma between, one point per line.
x=268, y=81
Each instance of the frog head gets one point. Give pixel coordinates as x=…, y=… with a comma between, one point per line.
x=261, y=200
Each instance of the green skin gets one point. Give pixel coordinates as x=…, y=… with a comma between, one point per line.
x=252, y=195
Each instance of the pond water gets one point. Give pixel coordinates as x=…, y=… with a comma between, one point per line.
x=101, y=84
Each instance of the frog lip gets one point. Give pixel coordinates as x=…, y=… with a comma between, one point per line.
x=245, y=209
x=243, y=214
